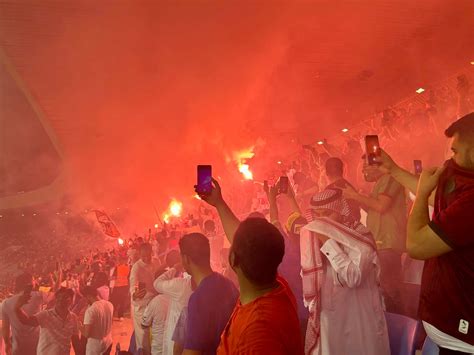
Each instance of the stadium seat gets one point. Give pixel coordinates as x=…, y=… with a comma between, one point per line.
x=402, y=332
x=429, y=347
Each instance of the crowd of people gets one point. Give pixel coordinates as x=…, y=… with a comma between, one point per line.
x=313, y=268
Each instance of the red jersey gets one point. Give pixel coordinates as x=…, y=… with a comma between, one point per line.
x=268, y=325
x=447, y=287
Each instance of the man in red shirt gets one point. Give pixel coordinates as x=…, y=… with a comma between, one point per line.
x=265, y=319
x=446, y=242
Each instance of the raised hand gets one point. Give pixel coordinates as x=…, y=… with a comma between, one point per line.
x=429, y=180
x=215, y=197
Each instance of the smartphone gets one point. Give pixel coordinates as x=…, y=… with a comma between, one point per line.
x=372, y=149
x=418, y=166
x=141, y=286
x=204, y=179
x=283, y=188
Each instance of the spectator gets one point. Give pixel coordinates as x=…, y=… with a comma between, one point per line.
x=445, y=243
x=334, y=168
x=386, y=219
x=340, y=283
x=216, y=241
x=211, y=304
x=179, y=335
x=178, y=290
x=142, y=291
x=58, y=326
x=121, y=289
x=100, y=282
x=265, y=319
x=97, y=323
x=290, y=267
x=155, y=316
x=23, y=338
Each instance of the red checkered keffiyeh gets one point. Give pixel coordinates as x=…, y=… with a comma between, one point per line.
x=350, y=233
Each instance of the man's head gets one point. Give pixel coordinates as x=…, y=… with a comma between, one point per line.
x=64, y=297
x=334, y=168
x=256, y=215
x=329, y=203
x=462, y=145
x=90, y=293
x=172, y=258
x=146, y=253
x=257, y=250
x=23, y=281
x=195, y=252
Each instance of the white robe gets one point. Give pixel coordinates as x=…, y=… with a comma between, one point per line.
x=352, y=317
x=178, y=290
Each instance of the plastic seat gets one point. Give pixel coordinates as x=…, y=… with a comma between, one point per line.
x=429, y=347
x=402, y=332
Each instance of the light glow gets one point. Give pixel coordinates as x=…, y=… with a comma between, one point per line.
x=320, y=142
x=241, y=157
x=176, y=208
x=156, y=225
x=420, y=91
x=245, y=170
x=345, y=130
x=120, y=241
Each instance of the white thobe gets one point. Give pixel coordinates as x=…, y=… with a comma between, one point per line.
x=178, y=290
x=155, y=316
x=145, y=273
x=352, y=316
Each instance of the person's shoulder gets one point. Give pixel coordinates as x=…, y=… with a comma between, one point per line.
x=136, y=265
x=103, y=303
x=9, y=302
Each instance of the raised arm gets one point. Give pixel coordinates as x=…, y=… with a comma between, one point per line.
x=347, y=265
x=272, y=193
x=422, y=240
x=229, y=220
x=404, y=177
x=168, y=284
x=22, y=316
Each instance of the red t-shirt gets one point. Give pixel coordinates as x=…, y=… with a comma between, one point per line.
x=268, y=325
x=447, y=287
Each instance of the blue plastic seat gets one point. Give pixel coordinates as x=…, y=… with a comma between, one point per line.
x=402, y=332
x=429, y=347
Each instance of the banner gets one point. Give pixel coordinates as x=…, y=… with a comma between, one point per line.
x=108, y=226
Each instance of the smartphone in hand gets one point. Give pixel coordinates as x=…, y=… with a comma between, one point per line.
x=418, y=165
x=283, y=184
x=372, y=149
x=204, y=179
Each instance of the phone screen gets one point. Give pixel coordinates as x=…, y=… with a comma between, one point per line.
x=204, y=179
x=418, y=166
x=283, y=184
x=372, y=149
